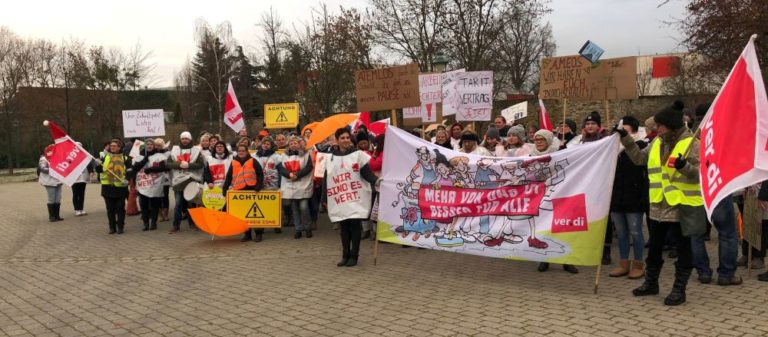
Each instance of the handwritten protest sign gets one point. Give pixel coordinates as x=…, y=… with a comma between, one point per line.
x=387, y=88
x=475, y=90
x=575, y=78
x=143, y=123
x=450, y=97
x=515, y=112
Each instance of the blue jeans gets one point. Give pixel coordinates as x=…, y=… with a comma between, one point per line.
x=626, y=225
x=724, y=220
x=181, y=206
x=299, y=212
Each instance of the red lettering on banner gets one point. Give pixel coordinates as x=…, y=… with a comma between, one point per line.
x=342, y=178
x=570, y=214
x=449, y=202
x=65, y=157
x=217, y=172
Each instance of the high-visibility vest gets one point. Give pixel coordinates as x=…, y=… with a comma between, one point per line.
x=666, y=183
x=116, y=179
x=243, y=175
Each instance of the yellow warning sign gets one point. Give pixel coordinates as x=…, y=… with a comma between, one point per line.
x=281, y=116
x=259, y=209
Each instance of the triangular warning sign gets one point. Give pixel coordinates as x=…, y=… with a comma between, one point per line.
x=281, y=117
x=254, y=212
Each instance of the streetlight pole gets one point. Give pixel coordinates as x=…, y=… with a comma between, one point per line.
x=89, y=112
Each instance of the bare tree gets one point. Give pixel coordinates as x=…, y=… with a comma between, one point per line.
x=213, y=64
x=14, y=65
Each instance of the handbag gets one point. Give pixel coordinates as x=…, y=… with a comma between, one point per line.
x=693, y=220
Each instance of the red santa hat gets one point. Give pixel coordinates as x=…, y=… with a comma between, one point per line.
x=57, y=133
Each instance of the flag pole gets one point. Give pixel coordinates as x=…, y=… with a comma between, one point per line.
x=393, y=116
x=597, y=277
x=565, y=108
x=376, y=248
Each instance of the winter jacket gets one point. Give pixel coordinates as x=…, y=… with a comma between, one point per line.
x=183, y=176
x=112, y=191
x=522, y=151
x=85, y=177
x=300, y=163
x=44, y=178
x=269, y=161
x=663, y=212
x=630, y=185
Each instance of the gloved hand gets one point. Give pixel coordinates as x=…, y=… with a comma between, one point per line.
x=680, y=162
x=623, y=133
x=184, y=165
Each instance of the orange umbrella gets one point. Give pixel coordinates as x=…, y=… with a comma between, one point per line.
x=310, y=126
x=327, y=127
x=217, y=223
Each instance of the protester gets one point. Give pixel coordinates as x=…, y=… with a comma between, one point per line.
x=205, y=144
x=243, y=133
x=217, y=166
x=52, y=186
x=434, y=133
x=591, y=130
x=362, y=142
x=501, y=124
x=150, y=177
x=346, y=166
x=456, y=130
x=165, y=201
x=296, y=185
x=629, y=202
x=724, y=219
x=531, y=131
x=493, y=143
x=245, y=174
x=186, y=163
x=281, y=143
x=543, y=141
x=78, y=189
x=268, y=160
x=516, y=145
x=567, y=132
x=114, y=184
x=469, y=144
x=665, y=159
x=442, y=139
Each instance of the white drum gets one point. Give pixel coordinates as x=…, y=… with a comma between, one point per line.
x=194, y=192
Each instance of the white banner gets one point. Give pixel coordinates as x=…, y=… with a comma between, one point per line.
x=450, y=96
x=515, y=112
x=549, y=208
x=475, y=90
x=143, y=123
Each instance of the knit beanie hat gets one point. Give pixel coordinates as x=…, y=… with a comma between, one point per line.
x=270, y=140
x=361, y=135
x=548, y=135
x=571, y=124
x=517, y=130
x=468, y=135
x=593, y=116
x=186, y=135
x=492, y=132
x=671, y=117
x=631, y=121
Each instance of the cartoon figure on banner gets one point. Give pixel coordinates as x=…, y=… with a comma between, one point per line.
x=535, y=178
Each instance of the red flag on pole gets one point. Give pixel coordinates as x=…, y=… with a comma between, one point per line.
x=233, y=114
x=544, y=121
x=66, y=159
x=732, y=161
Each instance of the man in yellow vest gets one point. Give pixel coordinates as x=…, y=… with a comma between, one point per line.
x=673, y=173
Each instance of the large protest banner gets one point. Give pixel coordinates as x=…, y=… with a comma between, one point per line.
x=575, y=78
x=387, y=88
x=475, y=91
x=551, y=208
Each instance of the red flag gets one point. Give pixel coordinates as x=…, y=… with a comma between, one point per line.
x=66, y=159
x=233, y=114
x=544, y=121
x=734, y=133
x=379, y=127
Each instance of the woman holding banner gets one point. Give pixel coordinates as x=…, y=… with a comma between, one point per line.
x=52, y=186
x=150, y=178
x=348, y=185
x=296, y=185
x=245, y=174
x=114, y=184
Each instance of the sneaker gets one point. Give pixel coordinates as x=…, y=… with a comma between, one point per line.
x=570, y=268
x=77, y=213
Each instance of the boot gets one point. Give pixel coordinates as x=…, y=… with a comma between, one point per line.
x=651, y=284
x=343, y=262
x=51, y=217
x=637, y=270
x=153, y=225
x=366, y=234
x=309, y=233
x=146, y=227
x=247, y=236
x=621, y=270
x=352, y=262
x=677, y=296
x=164, y=215
x=257, y=237
x=112, y=229
x=120, y=228
x=56, y=210
x=570, y=268
x=297, y=235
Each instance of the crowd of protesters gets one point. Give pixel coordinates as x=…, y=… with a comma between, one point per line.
x=656, y=183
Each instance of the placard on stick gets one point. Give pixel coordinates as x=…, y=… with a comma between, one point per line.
x=475, y=90
x=575, y=78
x=143, y=123
x=387, y=88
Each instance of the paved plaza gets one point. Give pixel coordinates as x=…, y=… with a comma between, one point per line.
x=70, y=278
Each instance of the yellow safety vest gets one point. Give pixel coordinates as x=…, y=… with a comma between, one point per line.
x=680, y=189
x=118, y=179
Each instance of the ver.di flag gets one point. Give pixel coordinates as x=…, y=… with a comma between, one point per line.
x=66, y=159
x=544, y=121
x=551, y=208
x=233, y=114
x=734, y=133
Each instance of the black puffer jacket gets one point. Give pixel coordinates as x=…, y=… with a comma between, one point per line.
x=630, y=186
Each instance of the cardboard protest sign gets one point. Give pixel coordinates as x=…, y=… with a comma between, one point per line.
x=515, y=112
x=387, y=88
x=450, y=96
x=281, y=116
x=475, y=90
x=143, y=123
x=576, y=79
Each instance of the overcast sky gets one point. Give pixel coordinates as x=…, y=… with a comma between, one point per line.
x=621, y=27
